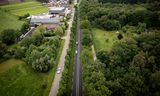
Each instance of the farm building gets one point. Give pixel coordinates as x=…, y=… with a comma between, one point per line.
x=44, y=19
x=50, y=21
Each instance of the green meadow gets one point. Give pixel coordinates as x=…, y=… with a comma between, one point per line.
x=104, y=40
x=9, y=21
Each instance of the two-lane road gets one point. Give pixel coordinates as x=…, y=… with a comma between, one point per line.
x=77, y=75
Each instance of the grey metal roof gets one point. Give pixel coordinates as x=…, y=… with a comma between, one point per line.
x=44, y=19
x=56, y=9
x=52, y=20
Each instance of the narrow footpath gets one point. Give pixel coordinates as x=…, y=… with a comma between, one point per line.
x=94, y=53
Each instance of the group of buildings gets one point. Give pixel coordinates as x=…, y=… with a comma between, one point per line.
x=58, y=10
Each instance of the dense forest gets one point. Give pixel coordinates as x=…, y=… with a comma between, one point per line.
x=126, y=1
x=132, y=66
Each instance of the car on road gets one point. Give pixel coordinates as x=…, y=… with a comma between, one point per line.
x=76, y=52
x=59, y=70
x=77, y=42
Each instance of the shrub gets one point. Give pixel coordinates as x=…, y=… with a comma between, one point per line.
x=9, y=36
x=24, y=28
x=111, y=25
x=20, y=52
x=86, y=40
x=120, y=36
x=40, y=59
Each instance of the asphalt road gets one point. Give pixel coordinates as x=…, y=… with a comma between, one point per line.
x=77, y=75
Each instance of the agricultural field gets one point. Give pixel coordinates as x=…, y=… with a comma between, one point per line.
x=104, y=40
x=9, y=21
x=20, y=9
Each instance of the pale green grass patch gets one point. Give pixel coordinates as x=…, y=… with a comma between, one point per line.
x=9, y=21
x=6, y=65
x=104, y=40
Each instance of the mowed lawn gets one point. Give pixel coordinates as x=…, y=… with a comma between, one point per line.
x=9, y=21
x=20, y=9
x=104, y=40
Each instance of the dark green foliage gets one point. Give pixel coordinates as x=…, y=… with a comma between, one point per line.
x=153, y=5
x=3, y=49
x=43, y=0
x=27, y=41
x=120, y=36
x=24, y=16
x=109, y=17
x=54, y=42
x=87, y=40
x=103, y=56
x=129, y=72
x=70, y=1
x=37, y=35
x=40, y=59
x=123, y=52
x=155, y=81
x=132, y=65
x=156, y=53
x=123, y=1
x=49, y=34
x=9, y=36
x=59, y=31
x=111, y=24
x=139, y=60
x=149, y=42
x=24, y=28
x=85, y=24
x=153, y=19
x=86, y=36
x=141, y=27
x=20, y=52
x=94, y=79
